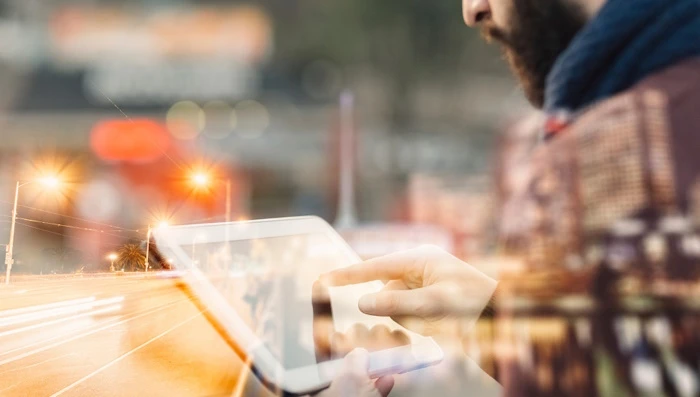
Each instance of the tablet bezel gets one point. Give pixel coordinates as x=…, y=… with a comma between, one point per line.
x=246, y=344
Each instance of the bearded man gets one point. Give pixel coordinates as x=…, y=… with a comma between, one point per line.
x=619, y=83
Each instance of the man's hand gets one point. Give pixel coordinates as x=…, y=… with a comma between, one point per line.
x=333, y=345
x=427, y=290
x=354, y=381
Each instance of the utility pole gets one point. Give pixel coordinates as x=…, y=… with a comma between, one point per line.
x=9, y=261
x=228, y=200
x=346, y=217
x=51, y=182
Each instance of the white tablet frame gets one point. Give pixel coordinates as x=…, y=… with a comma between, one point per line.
x=246, y=344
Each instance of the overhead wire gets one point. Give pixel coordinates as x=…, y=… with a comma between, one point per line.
x=72, y=217
x=61, y=234
x=43, y=230
x=70, y=227
x=101, y=232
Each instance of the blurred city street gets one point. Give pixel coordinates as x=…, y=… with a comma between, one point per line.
x=520, y=178
x=112, y=335
x=109, y=336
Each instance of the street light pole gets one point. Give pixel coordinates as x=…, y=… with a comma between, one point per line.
x=202, y=180
x=346, y=217
x=228, y=200
x=8, y=256
x=52, y=182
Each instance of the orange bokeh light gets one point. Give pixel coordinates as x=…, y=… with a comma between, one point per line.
x=135, y=141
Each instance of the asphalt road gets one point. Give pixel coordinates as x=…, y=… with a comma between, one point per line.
x=110, y=336
x=137, y=335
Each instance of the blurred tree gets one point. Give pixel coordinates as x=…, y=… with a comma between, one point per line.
x=131, y=258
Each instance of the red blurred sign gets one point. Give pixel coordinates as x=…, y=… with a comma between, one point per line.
x=134, y=141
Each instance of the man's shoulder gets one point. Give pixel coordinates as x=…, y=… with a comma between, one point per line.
x=639, y=148
x=674, y=91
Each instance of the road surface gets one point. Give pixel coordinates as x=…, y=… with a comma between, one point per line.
x=140, y=335
x=109, y=336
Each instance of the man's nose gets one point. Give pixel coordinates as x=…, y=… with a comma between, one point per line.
x=475, y=10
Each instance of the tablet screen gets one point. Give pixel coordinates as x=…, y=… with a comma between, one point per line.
x=269, y=283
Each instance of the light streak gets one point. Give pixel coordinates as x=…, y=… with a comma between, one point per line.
x=46, y=306
x=109, y=309
x=55, y=312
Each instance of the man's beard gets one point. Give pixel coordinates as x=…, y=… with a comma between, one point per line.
x=540, y=30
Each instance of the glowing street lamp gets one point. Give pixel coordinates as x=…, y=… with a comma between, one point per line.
x=161, y=225
x=50, y=182
x=202, y=180
x=112, y=257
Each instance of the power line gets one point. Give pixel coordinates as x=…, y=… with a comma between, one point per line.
x=102, y=232
x=70, y=227
x=73, y=217
x=43, y=230
x=61, y=234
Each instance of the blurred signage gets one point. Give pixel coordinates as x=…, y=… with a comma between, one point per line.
x=101, y=55
x=89, y=34
x=21, y=43
x=135, y=141
x=157, y=83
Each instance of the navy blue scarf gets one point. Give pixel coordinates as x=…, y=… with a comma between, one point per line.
x=627, y=41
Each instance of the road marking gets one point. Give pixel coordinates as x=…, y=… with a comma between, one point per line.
x=108, y=309
x=56, y=312
x=51, y=346
x=13, y=385
x=107, y=324
x=30, y=309
x=123, y=356
x=39, y=363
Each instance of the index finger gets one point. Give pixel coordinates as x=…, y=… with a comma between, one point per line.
x=397, y=266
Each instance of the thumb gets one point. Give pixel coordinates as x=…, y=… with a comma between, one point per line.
x=384, y=385
x=400, y=303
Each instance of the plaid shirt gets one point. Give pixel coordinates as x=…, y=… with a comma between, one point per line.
x=634, y=156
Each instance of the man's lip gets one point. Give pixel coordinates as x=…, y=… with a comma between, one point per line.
x=493, y=33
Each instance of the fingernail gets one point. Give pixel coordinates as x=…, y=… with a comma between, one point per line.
x=367, y=303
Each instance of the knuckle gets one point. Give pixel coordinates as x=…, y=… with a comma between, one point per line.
x=380, y=330
x=400, y=336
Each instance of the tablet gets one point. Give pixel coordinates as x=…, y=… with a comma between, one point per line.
x=257, y=279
